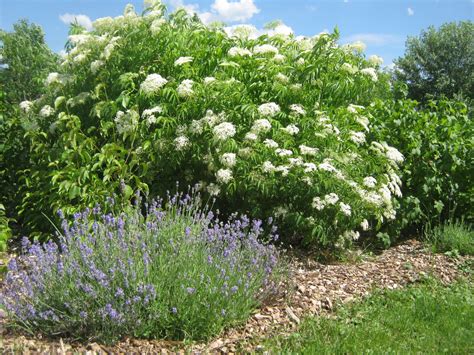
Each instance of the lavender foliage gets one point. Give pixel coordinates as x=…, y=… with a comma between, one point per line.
x=171, y=271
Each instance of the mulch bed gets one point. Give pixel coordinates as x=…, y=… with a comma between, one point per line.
x=314, y=289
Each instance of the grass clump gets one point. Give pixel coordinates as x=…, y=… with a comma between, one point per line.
x=429, y=318
x=454, y=237
x=174, y=271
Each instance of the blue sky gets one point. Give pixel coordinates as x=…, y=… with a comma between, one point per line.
x=382, y=24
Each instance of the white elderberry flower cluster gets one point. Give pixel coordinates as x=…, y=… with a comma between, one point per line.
x=126, y=122
x=224, y=131
x=269, y=109
x=149, y=115
x=261, y=125
x=152, y=84
x=291, y=129
x=46, y=111
x=375, y=60
x=265, y=49
x=228, y=159
x=26, y=106
x=181, y=143
x=297, y=109
x=185, y=89
x=239, y=52
x=370, y=72
x=224, y=176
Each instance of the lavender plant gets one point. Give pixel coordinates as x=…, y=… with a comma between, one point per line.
x=173, y=270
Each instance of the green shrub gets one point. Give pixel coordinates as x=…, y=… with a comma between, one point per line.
x=437, y=141
x=452, y=236
x=268, y=125
x=175, y=271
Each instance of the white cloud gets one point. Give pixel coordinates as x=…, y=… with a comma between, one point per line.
x=221, y=10
x=179, y=4
x=82, y=20
x=410, y=11
x=207, y=17
x=236, y=10
x=377, y=39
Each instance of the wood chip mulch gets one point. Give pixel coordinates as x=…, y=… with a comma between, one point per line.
x=314, y=289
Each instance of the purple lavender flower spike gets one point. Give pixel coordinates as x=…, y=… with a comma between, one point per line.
x=119, y=293
x=60, y=214
x=187, y=231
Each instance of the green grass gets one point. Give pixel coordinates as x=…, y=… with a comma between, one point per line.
x=427, y=318
x=452, y=237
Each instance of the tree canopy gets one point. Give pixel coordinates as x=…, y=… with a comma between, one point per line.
x=25, y=61
x=439, y=62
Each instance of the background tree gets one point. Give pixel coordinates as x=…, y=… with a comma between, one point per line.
x=25, y=61
x=439, y=62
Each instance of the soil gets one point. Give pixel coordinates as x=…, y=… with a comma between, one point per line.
x=314, y=289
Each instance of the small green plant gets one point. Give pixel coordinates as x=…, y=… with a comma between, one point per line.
x=453, y=237
x=5, y=231
x=467, y=267
x=427, y=318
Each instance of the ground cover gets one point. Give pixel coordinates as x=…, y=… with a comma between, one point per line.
x=426, y=318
